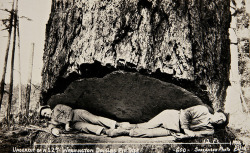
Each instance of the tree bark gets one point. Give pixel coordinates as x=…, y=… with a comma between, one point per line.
x=177, y=41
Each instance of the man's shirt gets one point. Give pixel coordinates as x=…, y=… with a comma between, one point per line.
x=61, y=114
x=196, y=118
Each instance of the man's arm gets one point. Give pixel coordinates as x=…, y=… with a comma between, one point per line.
x=53, y=128
x=204, y=132
x=195, y=116
x=198, y=133
x=193, y=134
x=189, y=132
x=185, y=118
x=67, y=128
x=62, y=114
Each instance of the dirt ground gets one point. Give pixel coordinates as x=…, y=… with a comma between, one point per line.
x=35, y=138
x=19, y=138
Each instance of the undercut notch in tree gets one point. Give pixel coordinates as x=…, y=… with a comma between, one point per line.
x=130, y=59
x=182, y=42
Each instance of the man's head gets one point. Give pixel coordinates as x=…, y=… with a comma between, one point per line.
x=45, y=112
x=219, y=118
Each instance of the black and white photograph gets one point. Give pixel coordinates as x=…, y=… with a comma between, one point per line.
x=124, y=76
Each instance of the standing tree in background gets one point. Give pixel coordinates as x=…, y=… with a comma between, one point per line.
x=9, y=28
x=12, y=66
x=19, y=70
x=28, y=89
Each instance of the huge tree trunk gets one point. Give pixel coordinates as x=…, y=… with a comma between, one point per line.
x=178, y=41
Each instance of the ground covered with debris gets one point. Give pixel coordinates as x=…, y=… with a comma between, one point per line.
x=36, y=139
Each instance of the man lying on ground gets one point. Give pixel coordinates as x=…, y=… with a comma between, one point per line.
x=78, y=119
x=195, y=121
